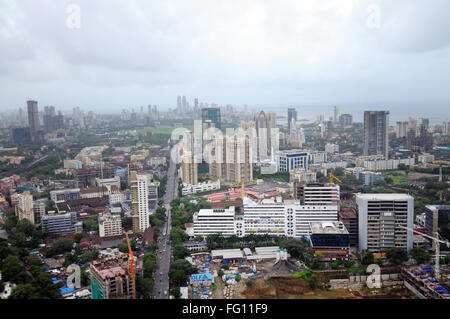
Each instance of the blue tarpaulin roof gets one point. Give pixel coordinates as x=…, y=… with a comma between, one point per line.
x=66, y=290
x=200, y=277
x=34, y=252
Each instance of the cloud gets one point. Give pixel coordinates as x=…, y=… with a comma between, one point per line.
x=262, y=52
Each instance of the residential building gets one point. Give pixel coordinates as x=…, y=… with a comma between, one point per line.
x=379, y=218
x=139, y=198
x=402, y=129
x=331, y=148
x=24, y=209
x=331, y=240
x=39, y=211
x=110, y=278
x=376, y=133
x=109, y=225
x=116, y=198
x=114, y=181
x=189, y=163
x=264, y=124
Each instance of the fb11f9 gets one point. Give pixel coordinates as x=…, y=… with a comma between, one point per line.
x=244, y=308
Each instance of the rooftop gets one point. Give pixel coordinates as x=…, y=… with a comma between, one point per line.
x=396, y=196
x=328, y=228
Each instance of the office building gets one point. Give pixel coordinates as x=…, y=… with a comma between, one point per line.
x=139, y=202
x=109, y=225
x=316, y=193
x=437, y=219
x=376, y=133
x=24, y=209
x=379, y=218
x=349, y=218
x=215, y=221
x=33, y=122
x=291, y=159
x=292, y=116
x=59, y=224
x=331, y=239
x=110, y=278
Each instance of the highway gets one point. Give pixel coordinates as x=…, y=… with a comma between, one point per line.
x=161, y=276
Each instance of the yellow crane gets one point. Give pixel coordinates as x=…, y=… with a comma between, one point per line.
x=332, y=177
x=132, y=267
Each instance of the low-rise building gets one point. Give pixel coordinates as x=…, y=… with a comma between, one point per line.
x=109, y=225
x=331, y=239
x=200, y=187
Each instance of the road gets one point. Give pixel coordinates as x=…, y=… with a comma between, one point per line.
x=161, y=276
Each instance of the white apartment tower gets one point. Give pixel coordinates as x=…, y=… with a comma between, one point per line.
x=379, y=218
x=24, y=209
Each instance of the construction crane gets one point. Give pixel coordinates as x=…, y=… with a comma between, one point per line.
x=441, y=163
x=132, y=266
x=332, y=177
x=438, y=241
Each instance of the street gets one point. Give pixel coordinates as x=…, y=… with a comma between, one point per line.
x=161, y=276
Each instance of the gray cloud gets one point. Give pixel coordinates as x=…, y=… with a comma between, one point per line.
x=268, y=53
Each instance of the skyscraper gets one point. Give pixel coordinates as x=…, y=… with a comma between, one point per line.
x=379, y=218
x=402, y=129
x=33, y=122
x=189, y=168
x=264, y=124
x=292, y=115
x=336, y=115
x=211, y=118
x=376, y=133
x=139, y=202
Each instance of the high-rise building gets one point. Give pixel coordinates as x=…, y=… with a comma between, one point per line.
x=437, y=219
x=336, y=115
x=346, y=119
x=349, y=218
x=179, y=106
x=110, y=278
x=139, y=202
x=109, y=225
x=61, y=223
x=379, y=218
x=184, y=104
x=189, y=164
x=376, y=133
x=264, y=123
x=292, y=115
x=238, y=160
x=33, y=122
x=402, y=129
x=24, y=209
x=211, y=118
x=39, y=211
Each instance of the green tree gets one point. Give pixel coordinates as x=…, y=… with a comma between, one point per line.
x=175, y=292
x=78, y=237
x=26, y=227
x=366, y=257
x=397, y=256
x=62, y=245
x=420, y=255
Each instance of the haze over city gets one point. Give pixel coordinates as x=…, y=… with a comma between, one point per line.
x=304, y=54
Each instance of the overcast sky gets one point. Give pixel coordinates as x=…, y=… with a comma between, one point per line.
x=357, y=54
